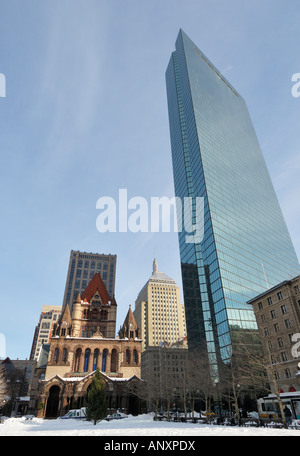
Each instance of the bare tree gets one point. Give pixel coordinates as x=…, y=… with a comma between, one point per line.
x=249, y=367
x=3, y=385
x=149, y=389
x=261, y=366
x=198, y=380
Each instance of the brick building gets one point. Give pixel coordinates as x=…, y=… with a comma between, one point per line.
x=277, y=313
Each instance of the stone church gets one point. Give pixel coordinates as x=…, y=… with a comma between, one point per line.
x=83, y=342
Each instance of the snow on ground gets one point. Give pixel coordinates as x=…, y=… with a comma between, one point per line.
x=142, y=425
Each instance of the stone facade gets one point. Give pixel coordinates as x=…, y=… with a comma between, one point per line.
x=277, y=313
x=83, y=342
x=159, y=312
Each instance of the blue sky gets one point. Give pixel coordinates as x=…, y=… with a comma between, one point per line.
x=85, y=114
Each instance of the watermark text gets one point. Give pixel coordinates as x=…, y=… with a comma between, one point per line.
x=162, y=214
x=296, y=87
x=2, y=86
x=2, y=346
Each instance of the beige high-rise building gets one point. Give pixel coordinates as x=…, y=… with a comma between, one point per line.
x=159, y=312
x=43, y=331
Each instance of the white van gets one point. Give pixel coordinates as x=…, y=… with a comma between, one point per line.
x=77, y=414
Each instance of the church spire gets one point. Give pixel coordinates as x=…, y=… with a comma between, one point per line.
x=155, y=269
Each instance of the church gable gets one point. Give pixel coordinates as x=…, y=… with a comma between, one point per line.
x=97, y=291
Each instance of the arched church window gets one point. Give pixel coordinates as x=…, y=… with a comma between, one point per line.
x=55, y=356
x=104, y=358
x=86, y=359
x=95, y=360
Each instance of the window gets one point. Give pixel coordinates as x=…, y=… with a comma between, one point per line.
x=280, y=296
x=104, y=356
x=77, y=360
x=276, y=327
x=55, y=357
x=287, y=373
x=287, y=323
x=86, y=359
x=270, y=301
x=283, y=309
x=273, y=314
x=95, y=360
x=273, y=359
x=280, y=342
x=283, y=356
x=260, y=306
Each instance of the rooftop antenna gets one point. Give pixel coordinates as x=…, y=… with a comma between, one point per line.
x=268, y=286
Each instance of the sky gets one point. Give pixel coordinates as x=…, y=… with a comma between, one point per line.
x=85, y=114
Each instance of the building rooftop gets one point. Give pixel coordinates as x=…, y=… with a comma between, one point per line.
x=159, y=276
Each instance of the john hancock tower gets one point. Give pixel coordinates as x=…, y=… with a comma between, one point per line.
x=246, y=247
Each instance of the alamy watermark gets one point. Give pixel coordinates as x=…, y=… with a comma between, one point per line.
x=295, y=348
x=137, y=215
x=296, y=87
x=2, y=86
x=2, y=346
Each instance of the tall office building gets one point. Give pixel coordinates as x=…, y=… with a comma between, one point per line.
x=158, y=311
x=246, y=247
x=82, y=268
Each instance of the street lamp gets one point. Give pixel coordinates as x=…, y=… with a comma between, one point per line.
x=219, y=402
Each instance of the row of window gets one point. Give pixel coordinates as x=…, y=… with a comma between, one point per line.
x=287, y=374
x=92, y=265
x=276, y=327
x=273, y=313
x=61, y=357
x=270, y=300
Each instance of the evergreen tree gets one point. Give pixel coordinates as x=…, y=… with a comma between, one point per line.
x=96, y=407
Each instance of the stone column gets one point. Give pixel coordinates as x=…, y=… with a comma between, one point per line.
x=90, y=362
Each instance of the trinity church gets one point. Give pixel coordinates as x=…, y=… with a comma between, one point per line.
x=83, y=342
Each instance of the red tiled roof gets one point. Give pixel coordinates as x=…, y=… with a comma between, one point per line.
x=96, y=284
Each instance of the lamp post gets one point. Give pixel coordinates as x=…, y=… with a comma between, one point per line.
x=238, y=411
x=219, y=402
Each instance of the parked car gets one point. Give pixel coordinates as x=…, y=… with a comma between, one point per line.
x=207, y=413
x=116, y=416
x=77, y=414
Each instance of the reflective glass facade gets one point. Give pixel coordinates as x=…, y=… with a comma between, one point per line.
x=246, y=247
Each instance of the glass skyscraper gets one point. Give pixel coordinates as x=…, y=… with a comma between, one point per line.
x=246, y=247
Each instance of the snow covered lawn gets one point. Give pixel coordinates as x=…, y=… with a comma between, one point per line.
x=142, y=425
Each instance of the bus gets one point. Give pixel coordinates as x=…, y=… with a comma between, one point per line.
x=268, y=407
